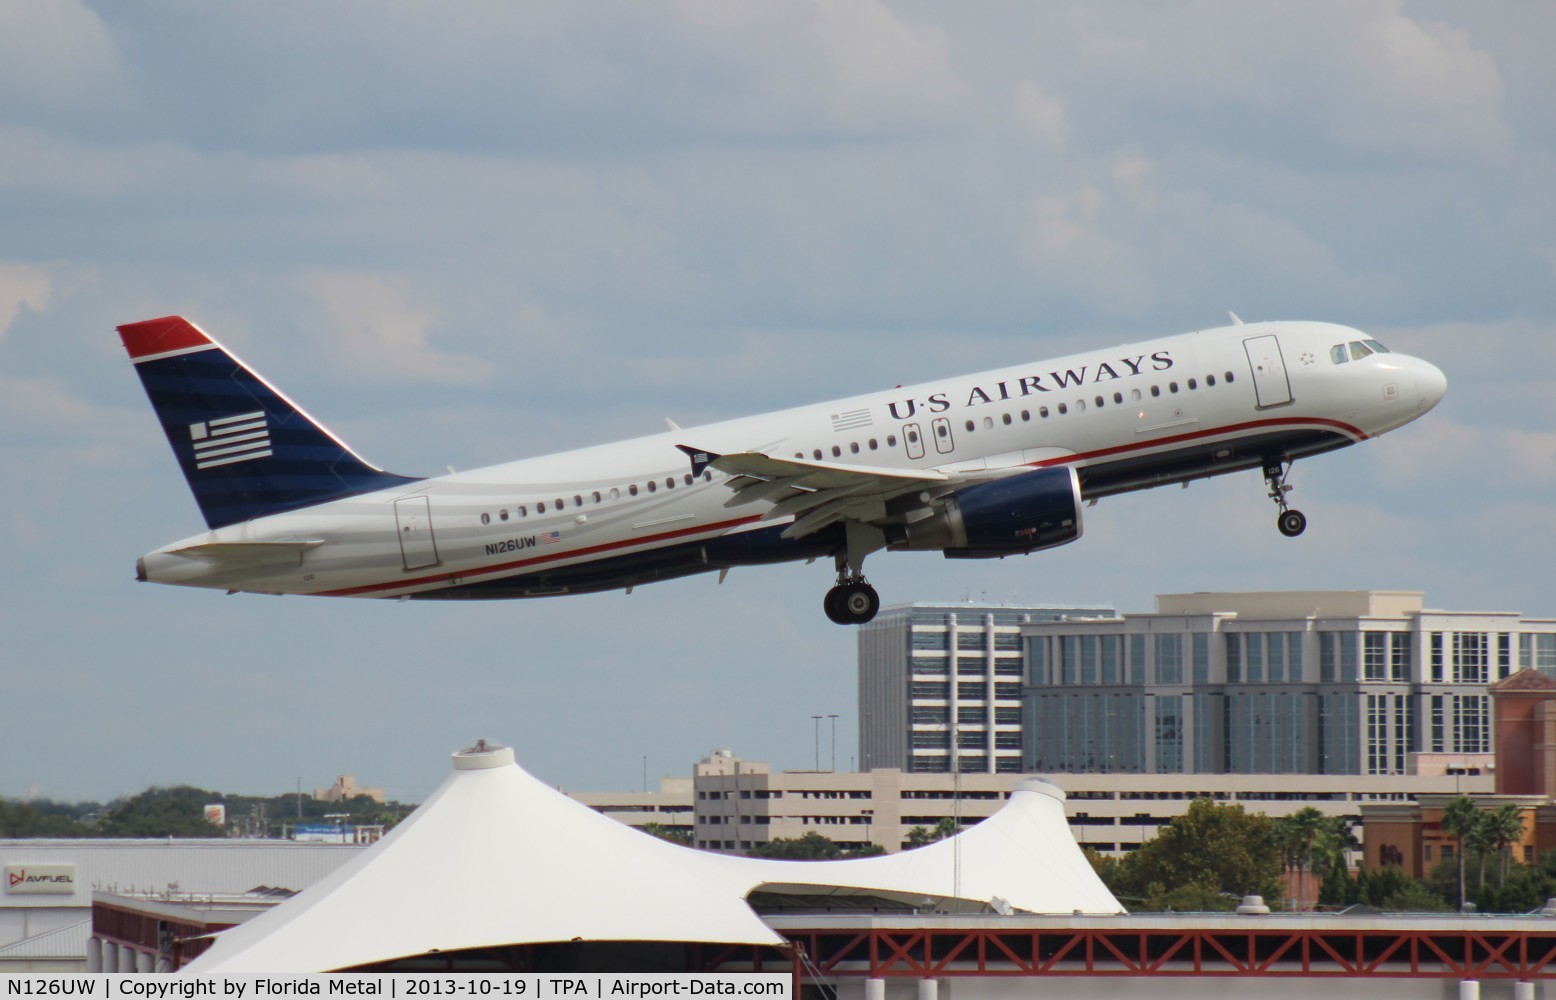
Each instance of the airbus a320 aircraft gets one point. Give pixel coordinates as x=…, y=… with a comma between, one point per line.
x=989, y=465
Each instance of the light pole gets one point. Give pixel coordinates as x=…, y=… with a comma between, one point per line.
x=833, y=717
x=816, y=721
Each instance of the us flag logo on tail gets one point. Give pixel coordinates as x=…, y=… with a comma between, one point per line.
x=226, y=440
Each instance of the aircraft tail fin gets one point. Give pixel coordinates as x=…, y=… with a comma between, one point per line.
x=245, y=448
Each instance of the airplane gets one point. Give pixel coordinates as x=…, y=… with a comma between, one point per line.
x=989, y=465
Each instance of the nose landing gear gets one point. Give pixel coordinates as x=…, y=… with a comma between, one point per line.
x=1290, y=522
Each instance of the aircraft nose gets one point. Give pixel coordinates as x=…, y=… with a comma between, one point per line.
x=1431, y=384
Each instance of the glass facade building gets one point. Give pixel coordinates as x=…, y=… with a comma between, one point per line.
x=1312, y=682
x=942, y=686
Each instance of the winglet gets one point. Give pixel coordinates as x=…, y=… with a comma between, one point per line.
x=1236, y=319
x=700, y=459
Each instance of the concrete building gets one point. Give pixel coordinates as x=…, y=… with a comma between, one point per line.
x=45, y=905
x=669, y=806
x=927, y=671
x=743, y=804
x=346, y=789
x=1303, y=682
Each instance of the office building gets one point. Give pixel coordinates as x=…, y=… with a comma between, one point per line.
x=1304, y=682
x=928, y=671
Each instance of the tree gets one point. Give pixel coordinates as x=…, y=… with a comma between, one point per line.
x=919, y=836
x=160, y=812
x=682, y=837
x=1459, y=819
x=1505, y=828
x=1217, y=848
x=1481, y=838
x=1296, y=835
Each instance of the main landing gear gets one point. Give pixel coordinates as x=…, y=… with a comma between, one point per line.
x=1290, y=522
x=853, y=601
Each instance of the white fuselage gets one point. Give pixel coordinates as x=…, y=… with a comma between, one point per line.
x=619, y=514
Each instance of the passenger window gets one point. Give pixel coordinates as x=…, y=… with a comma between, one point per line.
x=1026, y=416
x=837, y=452
x=523, y=511
x=707, y=477
x=853, y=447
x=1193, y=385
x=944, y=430
x=1006, y=418
x=689, y=479
x=1042, y=411
x=1156, y=390
x=1134, y=394
x=1359, y=350
x=486, y=519
x=873, y=445
x=540, y=507
x=1100, y=402
x=1080, y=406
x=891, y=440
x=559, y=504
x=988, y=423
x=1229, y=378
x=1337, y=354
x=577, y=501
x=817, y=454
x=969, y=427
x=615, y=495
x=653, y=487
x=502, y=515
x=1118, y=397
x=1210, y=381
x=913, y=437
x=669, y=482
x=1063, y=409
x=632, y=490
x=596, y=496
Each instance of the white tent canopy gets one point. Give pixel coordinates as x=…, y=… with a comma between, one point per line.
x=496, y=857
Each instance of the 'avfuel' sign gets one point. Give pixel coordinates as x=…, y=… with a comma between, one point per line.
x=58, y=879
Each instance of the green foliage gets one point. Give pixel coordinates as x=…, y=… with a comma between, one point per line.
x=1414, y=896
x=1195, y=897
x=1212, y=850
x=39, y=819
x=919, y=836
x=811, y=847
x=160, y=812
x=682, y=837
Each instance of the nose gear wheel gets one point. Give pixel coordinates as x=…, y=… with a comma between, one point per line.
x=1290, y=522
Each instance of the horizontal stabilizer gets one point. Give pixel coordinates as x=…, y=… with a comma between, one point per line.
x=251, y=553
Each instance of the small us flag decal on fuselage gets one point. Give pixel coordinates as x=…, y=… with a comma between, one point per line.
x=851, y=420
x=226, y=440
x=550, y=537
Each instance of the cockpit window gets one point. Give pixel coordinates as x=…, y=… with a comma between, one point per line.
x=1379, y=348
x=1359, y=350
x=1337, y=354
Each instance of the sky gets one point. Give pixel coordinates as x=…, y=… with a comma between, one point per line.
x=472, y=231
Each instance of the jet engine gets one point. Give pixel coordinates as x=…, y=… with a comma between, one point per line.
x=1006, y=517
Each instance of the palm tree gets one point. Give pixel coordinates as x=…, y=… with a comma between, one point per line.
x=1296, y=834
x=1458, y=819
x=1482, y=840
x=1506, y=824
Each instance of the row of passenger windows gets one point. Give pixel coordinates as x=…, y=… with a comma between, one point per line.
x=1043, y=413
x=614, y=493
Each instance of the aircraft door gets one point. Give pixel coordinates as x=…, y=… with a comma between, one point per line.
x=1271, y=387
x=413, y=523
x=912, y=440
x=944, y=443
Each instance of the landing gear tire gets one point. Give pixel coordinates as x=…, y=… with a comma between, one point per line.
x=1291, y=523
x=851, y=603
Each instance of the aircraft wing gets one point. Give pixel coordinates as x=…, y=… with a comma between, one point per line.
x=815, y=494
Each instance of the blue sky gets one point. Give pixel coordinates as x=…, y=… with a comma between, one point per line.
x=466, y=232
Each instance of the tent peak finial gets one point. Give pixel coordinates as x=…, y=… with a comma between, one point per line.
x=482, y=755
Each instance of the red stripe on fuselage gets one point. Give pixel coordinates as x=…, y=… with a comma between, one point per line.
x=159, y=336
x=538, y=560
x=724, y=525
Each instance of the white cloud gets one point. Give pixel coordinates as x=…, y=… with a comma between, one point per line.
x=378, y=334
x=1040, y=113
x=53, y=53
x=22, y=285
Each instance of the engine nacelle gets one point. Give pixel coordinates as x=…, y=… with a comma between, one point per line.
x=1006, y=517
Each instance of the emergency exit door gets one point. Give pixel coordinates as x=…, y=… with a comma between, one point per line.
x=1271, y=387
